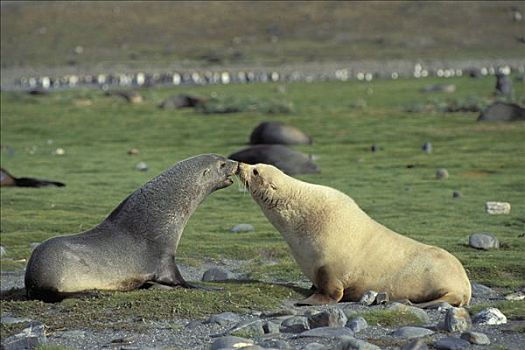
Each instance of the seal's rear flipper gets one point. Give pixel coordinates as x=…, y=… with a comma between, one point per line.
x=451, y=298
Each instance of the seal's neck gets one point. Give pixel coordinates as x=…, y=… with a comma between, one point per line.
x=159, y=210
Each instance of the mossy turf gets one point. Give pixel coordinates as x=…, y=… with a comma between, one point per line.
x=395, y=185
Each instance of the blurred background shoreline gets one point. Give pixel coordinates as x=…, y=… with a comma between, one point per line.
x=316, y=39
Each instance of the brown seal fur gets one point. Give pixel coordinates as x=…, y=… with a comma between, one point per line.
x=344, y=252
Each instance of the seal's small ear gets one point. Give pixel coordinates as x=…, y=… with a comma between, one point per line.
x=205, y=172
x=273, y=186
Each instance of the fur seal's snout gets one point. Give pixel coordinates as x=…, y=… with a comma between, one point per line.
x=230, y=168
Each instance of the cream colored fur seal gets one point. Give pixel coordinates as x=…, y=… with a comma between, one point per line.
x=344, y=252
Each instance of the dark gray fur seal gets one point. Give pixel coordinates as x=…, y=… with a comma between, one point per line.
x=136, y=243
x=7, y=179
x=501, y=111
x=289, y=161
x=278, y=133
x=181, y=101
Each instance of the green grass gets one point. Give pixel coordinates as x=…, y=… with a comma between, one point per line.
x=486, y=161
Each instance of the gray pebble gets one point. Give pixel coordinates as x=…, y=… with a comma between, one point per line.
x=278, y=313
x=483, y=241
x=272, y=327
x=348, y=343
x=516, y=296
x=451, y=343
x=490, y=316
x=476, y=338
x=427, y=147
x=419, y=313
x=441, y=174
x=313, y=346
x=216, y=274
x=224, y=318
x=2, y=251
x=417, y=344
x=357, y=324
x=411, y=332
x=382, y=298
x=368, y=298
x=295, y=324
x=248, y=328
x=497, y=208
x=13, y=320
x=275, y=344
x=326, y=332
x=230, y=342
x=457, y=194
x=333, y=317
x=141, y=166
x=482, y=291
x=457, y=319
x=31, y=337
x=242, y=228
x=78, y=334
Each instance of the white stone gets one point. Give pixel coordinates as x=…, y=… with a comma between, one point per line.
x=490, y=316
x=497, y=208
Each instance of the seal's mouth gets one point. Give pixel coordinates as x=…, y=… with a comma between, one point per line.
x=234, y=170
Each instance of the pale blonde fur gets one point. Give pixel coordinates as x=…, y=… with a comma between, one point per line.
x=344, y=252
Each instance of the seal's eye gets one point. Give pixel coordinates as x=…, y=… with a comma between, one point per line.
x=222, y=165
x=255, y=172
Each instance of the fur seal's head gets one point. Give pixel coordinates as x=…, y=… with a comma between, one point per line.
x=265, y=182
x=216, y=171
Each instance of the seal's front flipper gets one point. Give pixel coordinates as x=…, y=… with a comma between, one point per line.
x=316, y=299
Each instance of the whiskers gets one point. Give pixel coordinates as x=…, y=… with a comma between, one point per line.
x=242, y=185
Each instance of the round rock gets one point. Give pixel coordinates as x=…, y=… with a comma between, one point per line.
x=419, y=313
x=457, y=319
x=451, y=343
x=417, y=344
x=216, y=274
x=349, y=342
x=476, y=338
x=327, y=332
x=357, y=324
x=313, y=346
x=230, y=342
x=368, y=298
x=242, y=228
x=483, y=241
x=333, y=317
x=295, y=324
x=490, y=316
x=141, y=166
x=224, y=318
x=427, y=147
x=412, y=332
x=442, y=174
x=482, y=291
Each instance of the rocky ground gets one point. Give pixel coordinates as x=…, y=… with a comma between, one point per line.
x=290, y=327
